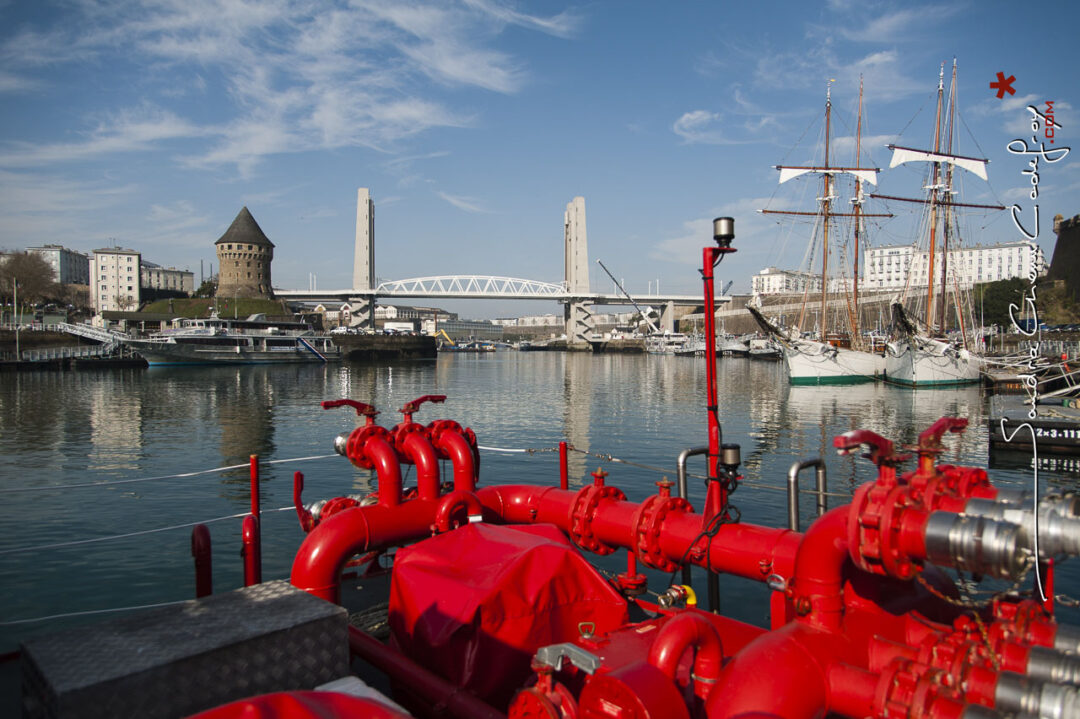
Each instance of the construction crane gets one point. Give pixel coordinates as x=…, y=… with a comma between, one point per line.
x=726, y=288
x=653, y=328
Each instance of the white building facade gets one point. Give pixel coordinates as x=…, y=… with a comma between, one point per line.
x=771, y=281
x=114, y=279
x=887, y=268
x=69, y=267
x=166, y=278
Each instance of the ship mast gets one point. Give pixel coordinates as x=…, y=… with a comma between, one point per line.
x=858, y=201
x=789, y=172
x=933, y=198
x=940, y=187
x=946, y=212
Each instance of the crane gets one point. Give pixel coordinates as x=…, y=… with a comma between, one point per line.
x=653, y=328
x=727, y=287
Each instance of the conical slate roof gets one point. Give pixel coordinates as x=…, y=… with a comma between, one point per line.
x=245, y=230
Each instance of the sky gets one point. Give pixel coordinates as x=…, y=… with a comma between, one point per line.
x=150, y=124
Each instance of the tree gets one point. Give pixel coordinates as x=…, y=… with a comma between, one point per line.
x=207, y=289
x=36, y=278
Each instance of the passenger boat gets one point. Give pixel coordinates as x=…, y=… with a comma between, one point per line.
x=492, y=609
x=254, y=340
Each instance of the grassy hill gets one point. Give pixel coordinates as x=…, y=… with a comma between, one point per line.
x=203, y=307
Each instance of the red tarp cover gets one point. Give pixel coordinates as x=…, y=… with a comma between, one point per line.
x=475, y=604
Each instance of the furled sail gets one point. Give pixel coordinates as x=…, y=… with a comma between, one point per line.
x=864, y=174
x=906, y=154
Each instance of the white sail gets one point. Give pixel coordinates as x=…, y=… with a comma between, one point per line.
x=790, y=173
x=904, y=154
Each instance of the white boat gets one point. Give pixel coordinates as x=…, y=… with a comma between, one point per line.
x=223, y=341
x=838, y=354
x=920, y=355
x=732, y=346
x=665, y=343
x=924, y=362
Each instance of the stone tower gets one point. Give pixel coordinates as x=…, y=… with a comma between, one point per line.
x=244, y=255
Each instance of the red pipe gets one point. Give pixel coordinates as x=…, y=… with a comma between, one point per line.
x=301, y=705
x=200, y=550
x=685, y=630
x=760, y=678
x=851, y=690
x=418, y=450
x=251, y=550
x=254, y=462
x=323, y=553
x=819, y=563
x=452, y=502
x=564, y=470
x=387, y=469
x=432, y=689
x=745, y=550
x=457, y=448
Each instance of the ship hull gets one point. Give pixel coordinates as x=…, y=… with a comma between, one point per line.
x=832, y=366
x=911, y=366
x=163, y=353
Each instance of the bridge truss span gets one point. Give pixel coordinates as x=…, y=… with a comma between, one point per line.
x=472, y=286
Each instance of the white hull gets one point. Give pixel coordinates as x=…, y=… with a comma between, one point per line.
x=815, y=363
x=931, y=363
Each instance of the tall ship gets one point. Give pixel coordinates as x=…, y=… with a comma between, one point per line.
x=932, y=333
x=837, y=352
x=255, y=340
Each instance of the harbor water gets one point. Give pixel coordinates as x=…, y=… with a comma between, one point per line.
x=70, y=440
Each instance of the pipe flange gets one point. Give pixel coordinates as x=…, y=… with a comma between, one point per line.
x=583, y=512
x=354, y=445
x=648, y=522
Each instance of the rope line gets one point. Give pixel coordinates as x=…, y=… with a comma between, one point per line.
x=518, y=451
x=163, y=476
x=78, y=542
x=89, y=612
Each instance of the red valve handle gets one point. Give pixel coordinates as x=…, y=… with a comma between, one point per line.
x=362, y=410
x=414, y=406
x=930, y=438
x=881, y=450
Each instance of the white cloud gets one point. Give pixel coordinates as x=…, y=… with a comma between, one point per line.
x=126, y=131
x=899, y=26
x=468, y=204
x=298, y=75
x=702, y=126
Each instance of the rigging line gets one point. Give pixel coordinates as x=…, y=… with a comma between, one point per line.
x=181, y=475
x=530, y=450
x=77, y=542
x=89, y=612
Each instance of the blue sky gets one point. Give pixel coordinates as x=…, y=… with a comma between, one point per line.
x=150, y=124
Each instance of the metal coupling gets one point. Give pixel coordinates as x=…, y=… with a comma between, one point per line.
x=978, y=711
x=1049, y=665
x=976, y=544
x=1019, y=694
x=341, y=443
x=1058, y=527
x=1067, y=639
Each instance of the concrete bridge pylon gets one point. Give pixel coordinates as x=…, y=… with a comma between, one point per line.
x=576, y=313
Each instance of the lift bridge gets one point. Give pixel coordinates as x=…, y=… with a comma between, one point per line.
x=574, y=292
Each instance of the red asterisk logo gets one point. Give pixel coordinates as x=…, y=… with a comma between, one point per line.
x=1003, y=85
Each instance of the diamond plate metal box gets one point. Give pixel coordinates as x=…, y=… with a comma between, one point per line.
x=178, y=660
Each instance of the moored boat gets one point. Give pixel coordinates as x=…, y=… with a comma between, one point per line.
x=837, y=355
x=254, y=340
x=921, y=354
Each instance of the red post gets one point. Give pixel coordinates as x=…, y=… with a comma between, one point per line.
x=251, y=551
x=716, y=494
x=564, y=472
x=200, y=550
x=254, y=459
